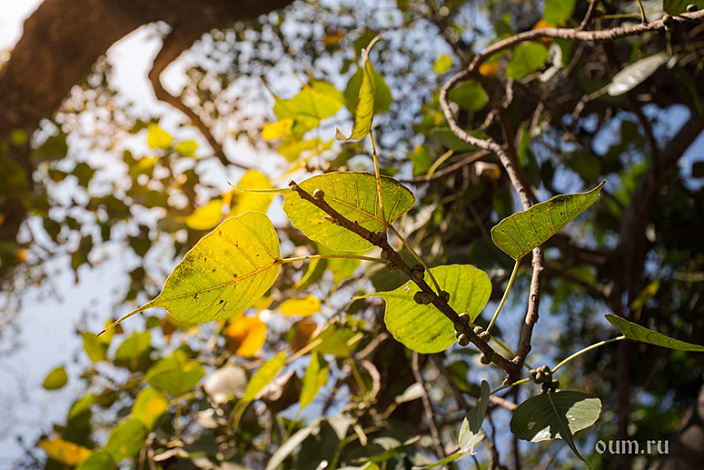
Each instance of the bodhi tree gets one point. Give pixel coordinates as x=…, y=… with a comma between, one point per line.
x=311, y=355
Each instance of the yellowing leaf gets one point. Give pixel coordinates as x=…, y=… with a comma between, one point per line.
x=206, y=217
x=277, y=130
x=149, y=405
x=442, y=64
x=64, y=452
x=56, y=379
x=305, y=307
x=187, y=147
x=519, y=233
x=158, y=138
x=245, y=336
x=333, y=38
x=242, y=202
x=227, y=270
x=291, y=149
x=424, y=328
x=489, y=69
x=354, y=195
x=364, y=111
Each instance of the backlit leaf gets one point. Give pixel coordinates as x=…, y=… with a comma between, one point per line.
x=555, y=415
x=337, y=340
x=557, y=12
x=158, y=138
x=364, y=109
x=133, y=346
x=149, y=405
x=242, y=202
x=644, y=335
x=245, y=336
x=95, y=347
x=424, y=328
x=471, y=430
x=176, y=374
x=99, y=460
x=636, y=73
x=316, y=376
x=278, y=129
x=382, y=93
x=126, y=439
x=187, y=147
x=56, y=379
x=264, y=376
x=228, y=270
x=519, y=233
x=205, y=217
x=442, y=64
x=527, y=58
x=304, y=307
x=64, y=452
x=353, y=195
x=315, y=102
x=291, y=149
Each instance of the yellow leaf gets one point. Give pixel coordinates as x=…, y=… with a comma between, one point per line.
x=245, y=336
x=292, y=149
x=187, y=147
x=158, y=138
x=64, y=452
x=278, y=129
x=258, y=202
x=304, y=307
x=333, y=38
x=206, y=217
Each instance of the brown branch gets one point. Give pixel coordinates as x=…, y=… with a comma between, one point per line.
x=591, y=13
x=379, y=239
x=532, y=314
x=427, y=407
x=476, y=156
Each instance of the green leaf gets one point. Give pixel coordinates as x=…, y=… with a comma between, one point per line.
x=519, y=233
x=341, y=268
x=644, y=335
x=527, y=58
x=382, y=93
x=316, y=376
x=263, y=376
x=364, y=110
x=557, y=12
x=81, y=406
x=424, y=328
x=224, y=274
x=315, y=102
x=675, y=7
x=175, y=374
x=636, y=73
x=471, y=430
x=336, y=340
x=555, y=415
x=469, y=95
x=56, y=379
x=134, y=346
x=126, y=439
x=99, y=460
x=94, y=346
x=353, y=195
x=149, y=405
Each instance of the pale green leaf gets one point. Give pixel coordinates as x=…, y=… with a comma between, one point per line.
x=133, y=346
x=519, y=233
x=644, y=335
x=527, y=58
x=94, y=346
x=149, y=405
x=126, y=439
x=471, y=430
x=364, y=110
x=354, y=196
x=176, y=374
x=99, y=460
x=337, y=340
x=224, y=274
x=555, y=415
x=316, y=376
x=636, y=73
x=56, y=379
x=315, y=102
x=557, y=12
x=382, y=93
x=424, y=328
x=264, y=376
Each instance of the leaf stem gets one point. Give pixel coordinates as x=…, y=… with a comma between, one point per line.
x=642, y=12
x=587, y=349
x=504, y=387
x=378, y=179
x=312, y=257
x=408, y=246
x=503, y=299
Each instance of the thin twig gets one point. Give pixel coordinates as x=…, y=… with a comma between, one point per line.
x=476, y=156
x=591, y=12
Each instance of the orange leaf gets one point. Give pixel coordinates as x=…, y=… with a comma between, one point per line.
x=245, y=336
x=64, y=452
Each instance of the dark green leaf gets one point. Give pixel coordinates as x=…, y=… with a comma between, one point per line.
x=644, y=335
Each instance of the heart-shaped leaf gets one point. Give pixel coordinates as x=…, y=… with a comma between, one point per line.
x=519, y=233
x=223, y=274
x=555, y=415
x=644, y=335
x=353, y=195
x=424, y=328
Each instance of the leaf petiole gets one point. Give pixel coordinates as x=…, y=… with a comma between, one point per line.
x=503, y=299
x=587, y=349
x=312, y=257
x=408, y=246
x=378, y=179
